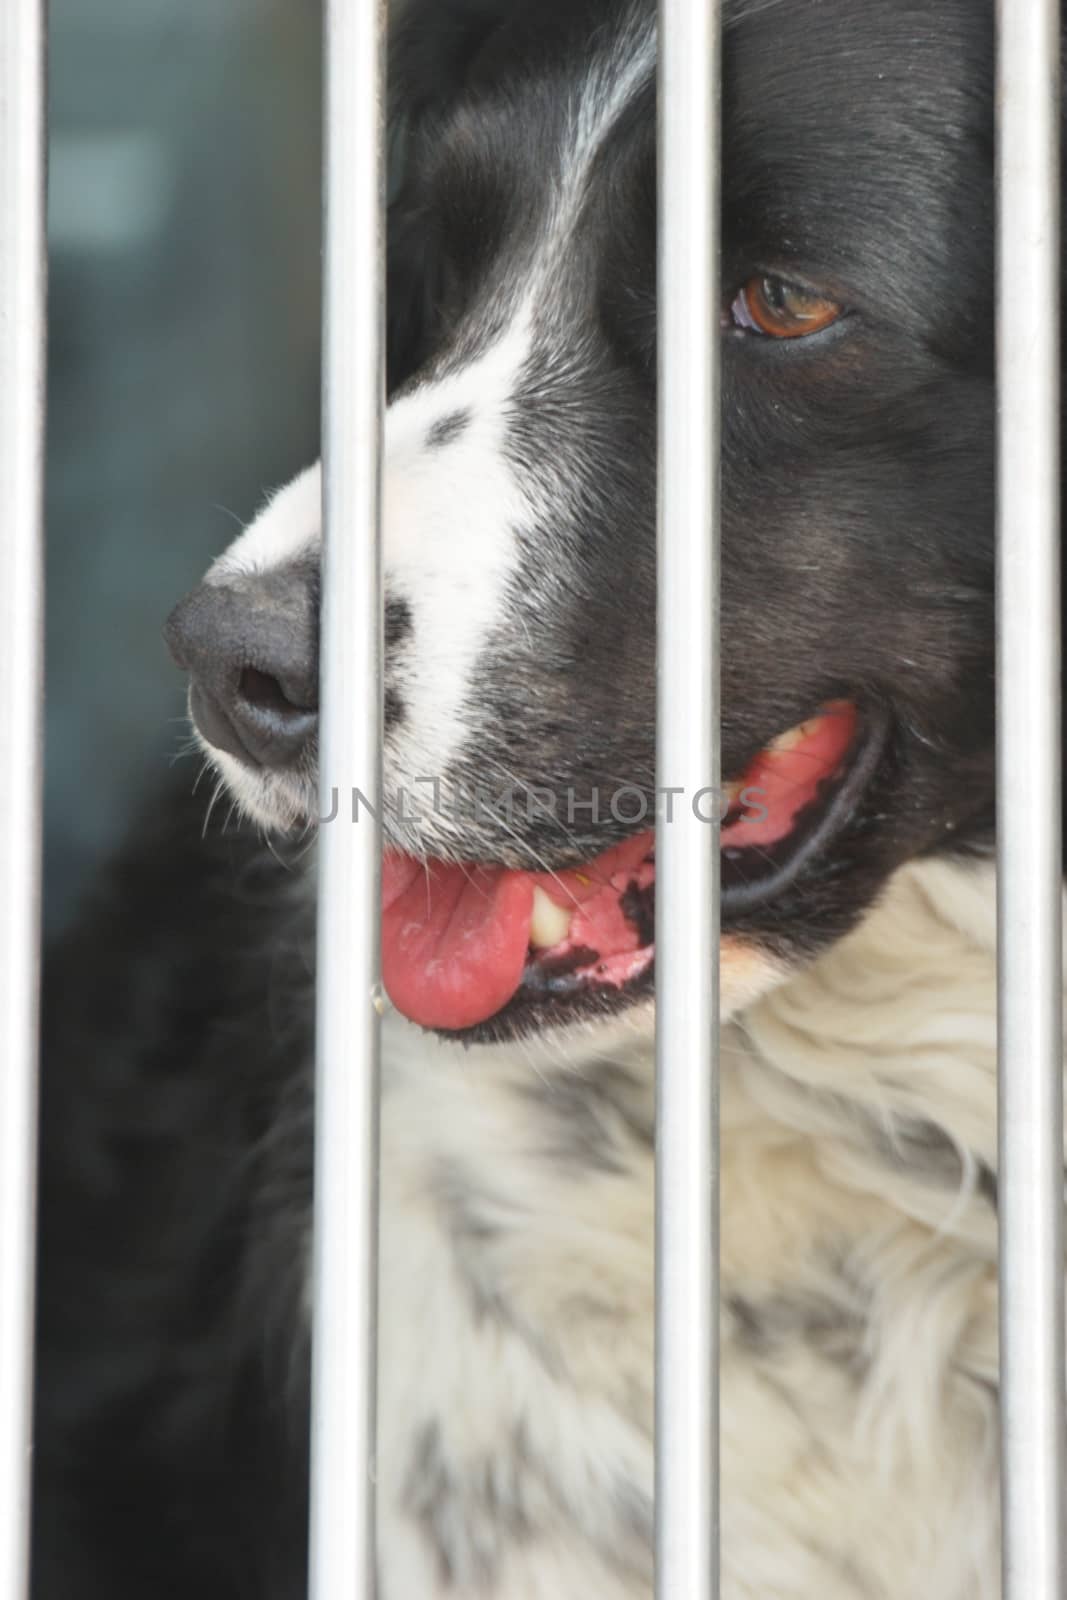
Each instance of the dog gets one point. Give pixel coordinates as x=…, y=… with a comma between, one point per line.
x=859, y=1183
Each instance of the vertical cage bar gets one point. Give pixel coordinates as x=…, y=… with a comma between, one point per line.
x=346, y=1146
x=22, y=381
x=1029, y=801
x=687, y=847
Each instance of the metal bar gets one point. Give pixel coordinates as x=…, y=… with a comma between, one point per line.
x=1029, y=780
x=346, y=1160
x=22, y=398
x=687, y=848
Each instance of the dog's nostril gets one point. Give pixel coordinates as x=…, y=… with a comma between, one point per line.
x=263, y=692
x=274, y=728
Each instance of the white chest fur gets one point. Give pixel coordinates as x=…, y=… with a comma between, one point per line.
x=859, y=1307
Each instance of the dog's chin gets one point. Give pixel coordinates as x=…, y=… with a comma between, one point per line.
x=483, y=950
x=274, y=802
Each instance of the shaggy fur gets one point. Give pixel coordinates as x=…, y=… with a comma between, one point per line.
x=859, y=1230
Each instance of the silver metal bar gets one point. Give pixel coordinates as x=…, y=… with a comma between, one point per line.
x=22, y=392
x=1029, y=780
x=687, y=848
x=346, y=1146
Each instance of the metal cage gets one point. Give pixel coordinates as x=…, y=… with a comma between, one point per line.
x=1030, y=866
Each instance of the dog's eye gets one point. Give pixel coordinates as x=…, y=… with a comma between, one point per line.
x=781, y=310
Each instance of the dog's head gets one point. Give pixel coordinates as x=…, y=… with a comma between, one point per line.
x=857, y=616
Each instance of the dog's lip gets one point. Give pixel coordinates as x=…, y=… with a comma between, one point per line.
x=558, y=970
x=819, y=826
x=547, y=997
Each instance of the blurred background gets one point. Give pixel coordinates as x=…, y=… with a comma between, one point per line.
x=185, y=248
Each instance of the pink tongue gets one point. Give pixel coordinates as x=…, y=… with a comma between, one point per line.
x=454, y=939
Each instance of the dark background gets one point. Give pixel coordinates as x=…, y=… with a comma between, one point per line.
x=184, y=224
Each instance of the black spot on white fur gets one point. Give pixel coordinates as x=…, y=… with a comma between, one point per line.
x=593, y=1119
x=448, y=430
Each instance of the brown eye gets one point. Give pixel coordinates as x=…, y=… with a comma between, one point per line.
x=782, y=310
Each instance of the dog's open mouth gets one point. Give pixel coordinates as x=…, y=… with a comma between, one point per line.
x=461, y=943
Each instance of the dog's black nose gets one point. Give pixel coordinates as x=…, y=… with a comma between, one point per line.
x=250, y=646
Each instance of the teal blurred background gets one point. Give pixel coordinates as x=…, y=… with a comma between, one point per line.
x=185, y=254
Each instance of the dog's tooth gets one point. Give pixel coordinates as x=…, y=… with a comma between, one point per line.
x=791, y=738
x=732, y=791
x=550, y=924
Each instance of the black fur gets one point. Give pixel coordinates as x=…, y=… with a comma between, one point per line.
x=175, y=1181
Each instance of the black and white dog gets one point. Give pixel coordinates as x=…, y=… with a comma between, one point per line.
x=859, y=1417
